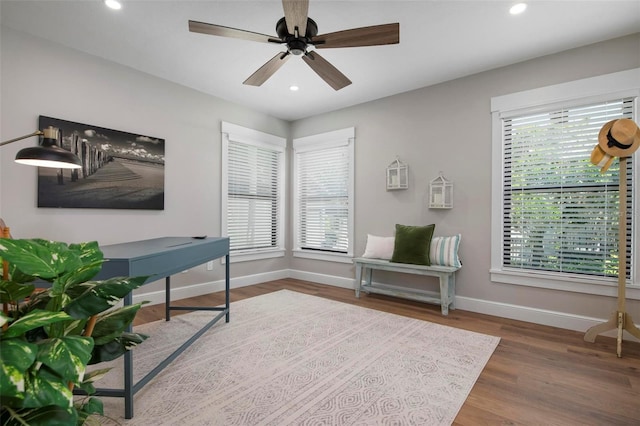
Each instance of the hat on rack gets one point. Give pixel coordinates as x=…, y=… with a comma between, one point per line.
x=617, y=138
x=601, y=159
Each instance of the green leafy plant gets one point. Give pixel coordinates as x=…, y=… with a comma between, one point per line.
x=49, y=336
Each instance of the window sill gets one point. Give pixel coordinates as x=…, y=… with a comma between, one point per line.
x=576, y=284
x=327, y=257
x=248, y=256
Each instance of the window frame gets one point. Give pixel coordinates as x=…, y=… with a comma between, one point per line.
x=328, y=140
x=624, y=84
x=235, y=133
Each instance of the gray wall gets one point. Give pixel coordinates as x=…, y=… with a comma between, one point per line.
x=41, y=78
x=445, y=128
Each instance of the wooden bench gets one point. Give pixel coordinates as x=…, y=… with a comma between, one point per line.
x=446, y=274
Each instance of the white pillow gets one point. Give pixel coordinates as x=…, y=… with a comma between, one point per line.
x=444, y=251
x=379, y=247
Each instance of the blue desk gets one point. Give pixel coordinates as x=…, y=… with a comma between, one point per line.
x=161, y=258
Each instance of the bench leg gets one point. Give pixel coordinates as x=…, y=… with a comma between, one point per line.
x=452, y=290
x=358, y=281
x=368, y=274
x=445, y=293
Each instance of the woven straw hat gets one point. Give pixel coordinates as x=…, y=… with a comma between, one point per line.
x=619, y=138
x=601, y=159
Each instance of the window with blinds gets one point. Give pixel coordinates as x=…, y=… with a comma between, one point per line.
x=323, y=177
x=252, y=209
x=323, y=196
x=560, y=213
x=253, y=190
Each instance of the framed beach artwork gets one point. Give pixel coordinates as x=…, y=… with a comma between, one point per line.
x=120, y=170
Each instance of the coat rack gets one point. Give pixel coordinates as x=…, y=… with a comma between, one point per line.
x=620, y=319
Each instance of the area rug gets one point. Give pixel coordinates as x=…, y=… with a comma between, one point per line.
x=288, y=358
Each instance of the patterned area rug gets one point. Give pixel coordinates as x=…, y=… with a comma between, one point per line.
x=287, y=358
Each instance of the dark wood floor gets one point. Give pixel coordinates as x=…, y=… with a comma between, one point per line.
x=538, y=375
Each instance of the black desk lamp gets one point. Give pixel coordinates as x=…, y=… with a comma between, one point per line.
x=48, y=153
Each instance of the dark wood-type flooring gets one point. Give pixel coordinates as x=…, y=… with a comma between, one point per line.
x=538, y=375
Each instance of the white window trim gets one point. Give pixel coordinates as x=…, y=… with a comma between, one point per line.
x=325, y=140
x=327, y=257
x=254, y=137
x=615, y=85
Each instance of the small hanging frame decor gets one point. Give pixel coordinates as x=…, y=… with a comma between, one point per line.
x=440, y=193
x=397, y=175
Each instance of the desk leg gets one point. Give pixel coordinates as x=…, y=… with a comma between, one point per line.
x=167, y=299
x=226, y=285
x=128, y=372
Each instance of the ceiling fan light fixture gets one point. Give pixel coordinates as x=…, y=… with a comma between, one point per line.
x=297, y=47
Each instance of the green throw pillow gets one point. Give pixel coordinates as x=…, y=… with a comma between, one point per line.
x=412, y=244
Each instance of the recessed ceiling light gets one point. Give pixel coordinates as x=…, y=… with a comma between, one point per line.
x=294, y=88
x=113, y=4
x=518, y=8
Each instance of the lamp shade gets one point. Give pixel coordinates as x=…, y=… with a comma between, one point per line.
x=51, y=156
x=48, y=154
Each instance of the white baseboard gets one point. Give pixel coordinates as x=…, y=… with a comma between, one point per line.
x=322, y=278
x=537, y=316
x=178, y=293
x=505, y=310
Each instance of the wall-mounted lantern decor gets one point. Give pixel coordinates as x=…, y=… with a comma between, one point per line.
x=397, y=175
x=440, y=193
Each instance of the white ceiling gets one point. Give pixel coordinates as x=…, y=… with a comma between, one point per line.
x=439, y=41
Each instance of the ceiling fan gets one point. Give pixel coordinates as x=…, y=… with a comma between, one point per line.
x=299, y=32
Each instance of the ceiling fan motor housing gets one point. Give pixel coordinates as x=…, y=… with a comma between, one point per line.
x=296, y=45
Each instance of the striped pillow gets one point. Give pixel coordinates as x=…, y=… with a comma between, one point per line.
x=444, y=251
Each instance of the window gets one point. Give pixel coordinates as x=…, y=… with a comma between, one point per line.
x=555, y=216
x=323, y=196
x=252, y=192
x=560, y=214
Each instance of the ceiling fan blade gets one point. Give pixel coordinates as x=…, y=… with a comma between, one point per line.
x=295, y=14
x=366, y=36
x=267, y=70
x=326, y=71
x=219, y=30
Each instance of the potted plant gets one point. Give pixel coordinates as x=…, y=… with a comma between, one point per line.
x=49, y=336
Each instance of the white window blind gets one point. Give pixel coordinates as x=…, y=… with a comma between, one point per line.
x=323, y=215
x=252, y=210
x=253, y=190
x=560, y=214
x=324, y=199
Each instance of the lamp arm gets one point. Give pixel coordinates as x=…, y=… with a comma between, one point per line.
x=36, y=133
